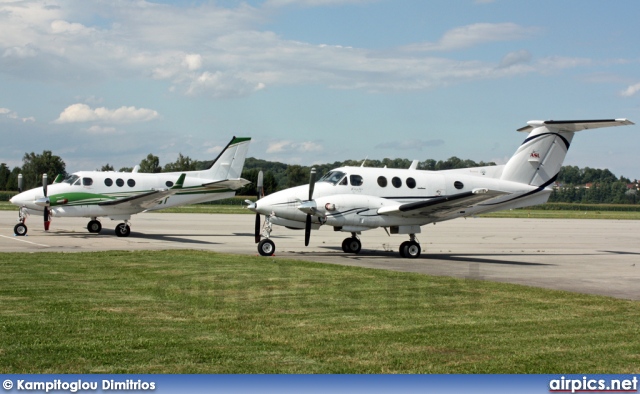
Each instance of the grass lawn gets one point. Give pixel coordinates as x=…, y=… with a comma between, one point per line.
x=202, y=312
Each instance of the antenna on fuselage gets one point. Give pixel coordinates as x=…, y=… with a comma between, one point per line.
x=363, y=161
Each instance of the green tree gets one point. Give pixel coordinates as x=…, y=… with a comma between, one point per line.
x=297, y=175
x=181, y=164
x=150, y=165
x=107, y=167
x=5, y=173
x=35, y=165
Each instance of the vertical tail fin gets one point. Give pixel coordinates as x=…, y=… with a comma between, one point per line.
x=539, y=159
x=230, y=162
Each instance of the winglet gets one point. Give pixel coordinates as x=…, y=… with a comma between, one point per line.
x=179, y=182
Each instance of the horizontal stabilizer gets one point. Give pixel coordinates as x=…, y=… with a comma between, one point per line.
x=233, y=184
x=575, y=125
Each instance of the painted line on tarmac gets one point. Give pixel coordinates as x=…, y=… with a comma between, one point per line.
x=23, y=240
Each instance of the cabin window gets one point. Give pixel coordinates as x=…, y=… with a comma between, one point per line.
x=382, y=181
x=458, y=185
x=108, y=181
x=411, y=183
x=169, y=184
x=119, y=182
x=87, y=181
x=396, y=182
x=356, y=180
x=131, y=183
x=333, y=177
x=343, y=182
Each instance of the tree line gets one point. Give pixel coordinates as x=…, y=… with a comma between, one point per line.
x=605, y=188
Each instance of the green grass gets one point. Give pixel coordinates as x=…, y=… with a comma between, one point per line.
x=201, y=312
x=564, y=214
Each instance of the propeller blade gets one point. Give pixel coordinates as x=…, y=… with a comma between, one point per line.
x=307, y=230
x=44, y=184
x=312, y=182
x=19, y=183
x=47, y=220
x=257, y=230
x=260, y=185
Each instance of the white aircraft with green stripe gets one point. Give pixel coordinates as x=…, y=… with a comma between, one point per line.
x=118, y=195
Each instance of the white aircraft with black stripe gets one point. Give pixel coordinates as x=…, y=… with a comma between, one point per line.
x=118, y=195
x=356, y=199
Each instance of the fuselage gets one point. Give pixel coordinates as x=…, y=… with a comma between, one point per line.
x=349, y=198
x=80, y=194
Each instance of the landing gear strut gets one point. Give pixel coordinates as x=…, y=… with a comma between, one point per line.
x=266, y=247
x=20, y=229
x=411, y=248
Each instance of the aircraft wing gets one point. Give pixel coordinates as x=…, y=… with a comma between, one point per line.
x=233, y=184
x=146, y=200
x=441, y=206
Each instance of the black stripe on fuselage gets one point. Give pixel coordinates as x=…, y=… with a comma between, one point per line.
x=566, y=142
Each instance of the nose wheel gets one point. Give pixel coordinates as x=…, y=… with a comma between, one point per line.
x=20, y=229
x=266, y=247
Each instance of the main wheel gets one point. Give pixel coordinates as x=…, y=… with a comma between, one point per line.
x=412, y=250
x=352, y=245
x=20, y=229
x=266, y=247
x=94, y=226
x=123, y=230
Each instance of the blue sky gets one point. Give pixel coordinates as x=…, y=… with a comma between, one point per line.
x=315, y=81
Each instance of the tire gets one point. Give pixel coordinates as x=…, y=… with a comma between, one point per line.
x=403, y=246
x=94, y=226
x=123, y=230
x=353, y=245
x=266, y=247
x=20, y=229
x=344, y=245
x=412, y=250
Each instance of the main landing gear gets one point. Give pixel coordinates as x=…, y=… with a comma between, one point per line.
x=352, y=244
x=411, y=248
x=122, y=229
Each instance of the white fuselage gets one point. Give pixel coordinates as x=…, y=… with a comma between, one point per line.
x=81, y=193
x=351, y=198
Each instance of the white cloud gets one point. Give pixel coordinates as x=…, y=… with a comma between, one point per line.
x=290, y=146
x=475, y=34
x=76, y=113
x=210, y=51
x=631, y=90
x=313, y=3
x=14, y=115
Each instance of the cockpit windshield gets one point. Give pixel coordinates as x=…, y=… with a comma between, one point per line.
x=71, y=179
x=332, y=177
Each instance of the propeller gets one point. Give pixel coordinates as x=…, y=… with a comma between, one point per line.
x=47, y=220
x=307, y=226
x=259, y=195
x=19, y=183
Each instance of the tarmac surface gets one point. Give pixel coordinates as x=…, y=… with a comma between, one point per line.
x=586, y=256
